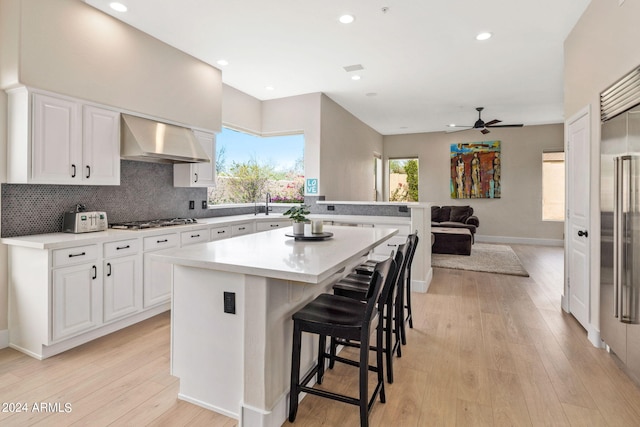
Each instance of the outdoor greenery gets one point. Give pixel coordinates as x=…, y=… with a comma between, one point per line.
x=249, y=181
x=403, y=180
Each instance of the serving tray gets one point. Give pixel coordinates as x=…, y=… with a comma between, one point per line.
x=310, y=237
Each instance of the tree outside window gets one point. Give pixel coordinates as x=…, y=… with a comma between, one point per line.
x=249, y=166
x=403, y=180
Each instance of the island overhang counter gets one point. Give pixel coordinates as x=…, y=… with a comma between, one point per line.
x=238, y=363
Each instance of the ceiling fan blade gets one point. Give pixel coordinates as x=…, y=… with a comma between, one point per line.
x=492, y=122
x=507, y=126
x=485, y=131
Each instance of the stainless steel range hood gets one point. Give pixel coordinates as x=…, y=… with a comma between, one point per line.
x=151, y=141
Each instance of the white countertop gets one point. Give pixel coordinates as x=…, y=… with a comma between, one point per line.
x=272, y=254
x=63, y=240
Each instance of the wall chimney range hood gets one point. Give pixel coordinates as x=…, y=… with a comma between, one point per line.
x=151, y=141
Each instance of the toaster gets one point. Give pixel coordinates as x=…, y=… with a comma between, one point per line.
x=84, y=222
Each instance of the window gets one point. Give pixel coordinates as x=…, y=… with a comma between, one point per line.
x=403, y=180
x=248, y=167
x=553, y=186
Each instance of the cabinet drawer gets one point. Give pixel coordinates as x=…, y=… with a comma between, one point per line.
x=219, y=233
x=270, y=225
x=240, y=229
x=75, y=255
x=194, y=236
x=121, y=248
x=161, y=241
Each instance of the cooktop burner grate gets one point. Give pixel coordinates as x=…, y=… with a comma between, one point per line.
x=154, y=223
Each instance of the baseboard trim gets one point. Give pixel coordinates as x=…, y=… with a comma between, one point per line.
x=519, y=240
x=422, y=286
x=4, y=338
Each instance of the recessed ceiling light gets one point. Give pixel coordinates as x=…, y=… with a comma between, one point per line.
x=222, y=62
x=483, y=36
x=355, y=77
x=269, y=88
x=452, y=125
x=347, y=19
x=118, y=7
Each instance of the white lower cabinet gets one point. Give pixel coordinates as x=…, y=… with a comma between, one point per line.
x=122, y=279
x=270, y=225
x=77, y=296
x=157, y=275
x=243, y=228
x=219, y=233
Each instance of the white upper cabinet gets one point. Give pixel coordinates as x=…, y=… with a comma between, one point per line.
x=198, y=174
x=56, y=140
x=101, y=146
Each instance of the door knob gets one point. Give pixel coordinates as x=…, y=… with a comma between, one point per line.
x=584, y=233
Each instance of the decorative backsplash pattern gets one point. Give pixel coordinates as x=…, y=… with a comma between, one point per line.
x=146, y=191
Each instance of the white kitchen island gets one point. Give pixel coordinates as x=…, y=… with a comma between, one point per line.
x=239, y=364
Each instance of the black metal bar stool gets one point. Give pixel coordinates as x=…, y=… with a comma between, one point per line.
x=356, y=286
x=412, y=239
x=342, y=317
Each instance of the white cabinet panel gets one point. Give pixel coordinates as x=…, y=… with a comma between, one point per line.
x=76, y=300
x=244, y=228
x=270, y=225
x=198, y=174
x=194, y=236
x=56, y=141
x=219, y=233
x=122, y=287
x=101, y=146
x=157, y=275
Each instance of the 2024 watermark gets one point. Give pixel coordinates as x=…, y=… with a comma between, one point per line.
x=36, y=407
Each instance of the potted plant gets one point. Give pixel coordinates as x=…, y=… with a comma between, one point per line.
x=297, y=215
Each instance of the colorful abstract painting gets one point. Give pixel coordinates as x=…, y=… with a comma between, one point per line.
x=475, y=170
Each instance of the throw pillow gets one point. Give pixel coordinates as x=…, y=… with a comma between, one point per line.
x=435, y=213
x=459, y=213
x=445, y=213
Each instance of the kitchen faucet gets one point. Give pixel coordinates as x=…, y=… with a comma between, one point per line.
x=266, y=204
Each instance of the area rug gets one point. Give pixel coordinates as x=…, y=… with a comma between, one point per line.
x=484, y=257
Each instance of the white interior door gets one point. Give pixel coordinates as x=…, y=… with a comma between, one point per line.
x=578, y=158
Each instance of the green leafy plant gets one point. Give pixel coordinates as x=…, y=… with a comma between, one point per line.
x=297, y=213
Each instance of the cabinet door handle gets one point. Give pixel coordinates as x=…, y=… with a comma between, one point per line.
x=195, y=235
x=196, y=177
x=88, y=171
x=221, y=232
x=241, y=228
x=162, y=241
x=393, y=246
x=109, y=268
x=274, y=225
x=73, y=174
x=75, y=255
x=95, y=272
x=122, y=247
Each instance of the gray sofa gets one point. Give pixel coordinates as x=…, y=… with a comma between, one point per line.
x=455, y=217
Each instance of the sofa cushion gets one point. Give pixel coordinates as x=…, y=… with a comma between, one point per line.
x=435, y=213
x=455, y=224
x=445, y=213
x=460, y=213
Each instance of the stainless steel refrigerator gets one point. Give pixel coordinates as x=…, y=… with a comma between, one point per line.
x=620, y=237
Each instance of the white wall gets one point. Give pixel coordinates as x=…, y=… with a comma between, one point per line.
x=241, y=111
x=602, y=47
x=346, y=157
x=517, y=215
x=68, y=47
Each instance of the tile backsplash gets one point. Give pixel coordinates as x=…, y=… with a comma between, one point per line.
x=146, y=191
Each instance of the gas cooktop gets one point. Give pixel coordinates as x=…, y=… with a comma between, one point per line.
x=154, y=223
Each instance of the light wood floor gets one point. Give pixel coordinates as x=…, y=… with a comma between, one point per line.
x=486, y=350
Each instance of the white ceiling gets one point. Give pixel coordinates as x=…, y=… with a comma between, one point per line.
x=420, y=57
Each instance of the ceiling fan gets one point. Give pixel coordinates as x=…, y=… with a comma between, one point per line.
x=480, y=124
